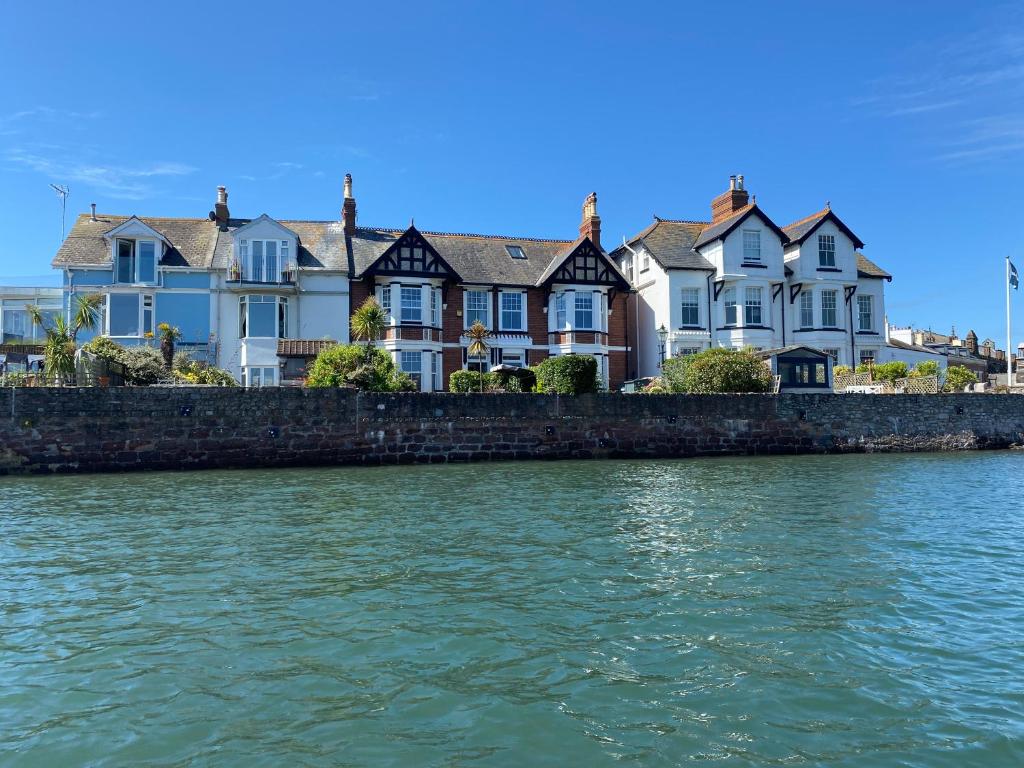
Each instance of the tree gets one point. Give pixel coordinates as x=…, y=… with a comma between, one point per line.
x=168, y=335
x=957, y=378
x=368, y=322
x=478, y=346
x=62, y=337
x=718, y=370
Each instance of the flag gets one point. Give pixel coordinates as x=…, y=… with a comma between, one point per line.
x=1014, y=282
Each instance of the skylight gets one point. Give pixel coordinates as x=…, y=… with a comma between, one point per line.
x=515, y=251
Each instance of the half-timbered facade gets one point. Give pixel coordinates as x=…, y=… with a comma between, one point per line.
x=740, y=280
x=537, y=297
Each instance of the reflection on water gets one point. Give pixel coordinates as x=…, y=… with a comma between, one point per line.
x=848, y=610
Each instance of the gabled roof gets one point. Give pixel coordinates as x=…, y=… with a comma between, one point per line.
x=721, y=230
x=868, y=268
x=413, y=238
x=478, y=259
x=800, y=230
x=764, y=354
x=585, y=246
x=261, y=219
x=135, y=223
x=670, y=243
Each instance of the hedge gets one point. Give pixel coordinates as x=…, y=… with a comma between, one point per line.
x=567, y=375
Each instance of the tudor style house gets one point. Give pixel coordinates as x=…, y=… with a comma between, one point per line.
x=538, y=297
x=741, y=280
x=238, y=289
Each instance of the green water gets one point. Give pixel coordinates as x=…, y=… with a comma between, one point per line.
x=839, y=611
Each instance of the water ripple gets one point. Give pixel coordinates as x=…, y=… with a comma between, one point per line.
x=849, y=610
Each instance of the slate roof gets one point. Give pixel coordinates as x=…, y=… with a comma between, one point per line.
x=670, y=243
x=798, y=231
x=868, y=268
x=199, y=242
x=478, y=259
x=912, y=347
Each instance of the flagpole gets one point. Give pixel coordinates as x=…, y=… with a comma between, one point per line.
x=1009, y=357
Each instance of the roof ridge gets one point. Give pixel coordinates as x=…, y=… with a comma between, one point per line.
x=470, y=234
x=682, y=221
x=815, y=215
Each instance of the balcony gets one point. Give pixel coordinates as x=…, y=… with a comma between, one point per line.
x=261, y=274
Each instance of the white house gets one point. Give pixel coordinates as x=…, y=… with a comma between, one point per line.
x=741, y=280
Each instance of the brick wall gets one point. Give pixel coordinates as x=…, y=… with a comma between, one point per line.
x=117, y=429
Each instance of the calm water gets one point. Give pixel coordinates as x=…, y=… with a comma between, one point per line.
x=850, y=610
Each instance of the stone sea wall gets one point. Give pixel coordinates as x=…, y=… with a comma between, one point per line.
x=116, y=429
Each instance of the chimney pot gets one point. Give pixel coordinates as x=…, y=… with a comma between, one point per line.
x=732, y=182
x=220, y=210
x=348, y=208
x=730, y=201
x=739, y=182
x=93, y=207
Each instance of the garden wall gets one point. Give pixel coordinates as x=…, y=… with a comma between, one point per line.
x=95, y=429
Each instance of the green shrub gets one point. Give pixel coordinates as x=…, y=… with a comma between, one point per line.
x=350, y=365
x=470, y=381
x=567, y=375
x=195, y=372
x=105, y=348
x=840, y=370
x=891, y=371
x=144, y=366
x=718, y=370
x=958, y=377
x=924, y=368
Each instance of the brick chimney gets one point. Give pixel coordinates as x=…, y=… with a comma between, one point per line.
x=591, y=224
x=220, y=210
x=348, y=208
x=730, y=201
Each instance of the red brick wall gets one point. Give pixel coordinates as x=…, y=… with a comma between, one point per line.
x=536, y=317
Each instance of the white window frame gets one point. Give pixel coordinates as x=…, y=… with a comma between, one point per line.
x=833, y=353
x=685, y=305
x=522, y=311
x=417, y=355
x=583, y=296
x=147, y=305
x=435, y=307
x=253, y=272
x=833, y=295
x=752, y=246
x=466, y=309
x=729, y=301
x=826, y=251
x=411, y=291
x=806, y=309
x=281, y=315
x=869, y=301
x=562, y=311
x=645, y=260
x=255, y=376
x=136, y=244
x=384, y=299
x=749, y=305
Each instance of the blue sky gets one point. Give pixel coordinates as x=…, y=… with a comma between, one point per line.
x=500, y=118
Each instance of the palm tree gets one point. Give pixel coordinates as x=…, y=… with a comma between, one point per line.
x=368, y=322
x=62, y=336
x=168, y=335
x=478, y=346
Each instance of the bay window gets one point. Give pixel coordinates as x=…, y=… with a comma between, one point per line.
x=584, y=310
x=752, y=306
x=729, y=297
x=829, y=318
x=478, y=306
x=690, y=307
x=435, y=307
x=263, y=317
x=259, y=376
x=513, y=311
x=865, y=313
x=384, y=299
x=135, y=261
x=806, y=309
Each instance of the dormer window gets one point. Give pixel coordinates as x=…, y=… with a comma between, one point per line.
x=515, y=251
x=826, y=250
x=136, y=261
x=751, y=245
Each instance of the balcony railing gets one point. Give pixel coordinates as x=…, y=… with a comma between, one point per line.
x=256, y=273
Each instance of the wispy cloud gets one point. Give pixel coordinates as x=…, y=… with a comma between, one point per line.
x=20, y=121
x=115, y=181
x=945, y=84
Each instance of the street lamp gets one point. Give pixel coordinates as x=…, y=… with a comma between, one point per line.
x=662, y=338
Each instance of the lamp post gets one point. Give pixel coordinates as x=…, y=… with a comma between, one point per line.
x=662, y=338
